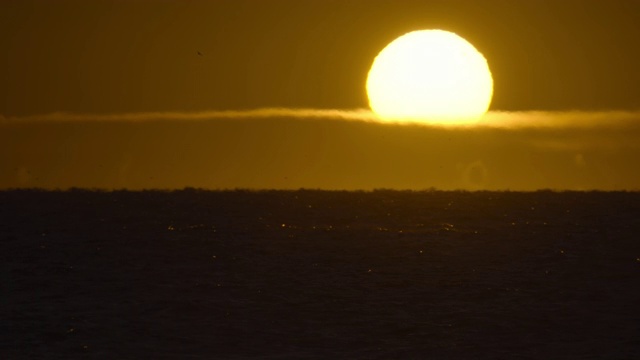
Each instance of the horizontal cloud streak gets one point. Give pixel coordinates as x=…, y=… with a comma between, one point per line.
x=493, y=119
x=330, y=114
x=561, y=119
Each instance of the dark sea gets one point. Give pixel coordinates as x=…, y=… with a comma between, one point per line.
x=312, y=274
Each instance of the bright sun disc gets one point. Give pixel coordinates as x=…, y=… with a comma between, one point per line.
x=430, y=76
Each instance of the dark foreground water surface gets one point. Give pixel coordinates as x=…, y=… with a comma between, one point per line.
x=319, y=275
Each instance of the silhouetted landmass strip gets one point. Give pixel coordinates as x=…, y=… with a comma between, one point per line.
x=319, y=274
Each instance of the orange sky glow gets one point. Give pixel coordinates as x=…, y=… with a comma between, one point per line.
x=254, y=94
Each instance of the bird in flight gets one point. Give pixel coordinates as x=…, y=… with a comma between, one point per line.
x=200, y=54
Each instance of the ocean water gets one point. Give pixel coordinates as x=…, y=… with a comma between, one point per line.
x=319, y=275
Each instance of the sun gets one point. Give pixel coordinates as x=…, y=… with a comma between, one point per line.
x=432, y=77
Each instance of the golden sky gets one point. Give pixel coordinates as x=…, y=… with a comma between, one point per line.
x=115, y=67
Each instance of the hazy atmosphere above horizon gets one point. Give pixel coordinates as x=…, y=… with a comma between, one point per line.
x=282, y=94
